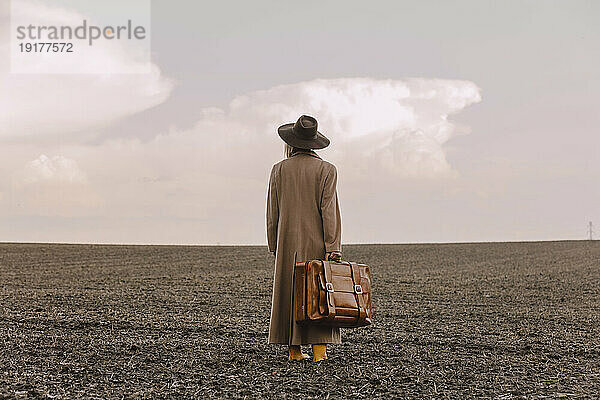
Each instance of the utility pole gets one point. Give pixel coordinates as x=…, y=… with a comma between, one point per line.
x=591, y=230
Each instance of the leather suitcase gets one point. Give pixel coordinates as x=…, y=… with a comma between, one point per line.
x=332, y=293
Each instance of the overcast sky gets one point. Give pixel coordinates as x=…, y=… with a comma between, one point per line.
x=449, y=121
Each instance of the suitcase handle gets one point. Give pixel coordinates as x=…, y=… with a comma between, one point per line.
x=328, y=256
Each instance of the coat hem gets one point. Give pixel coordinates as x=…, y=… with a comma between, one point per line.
x=305, y=343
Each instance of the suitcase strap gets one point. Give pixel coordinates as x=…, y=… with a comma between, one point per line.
x=360, y=301
x=330, y=299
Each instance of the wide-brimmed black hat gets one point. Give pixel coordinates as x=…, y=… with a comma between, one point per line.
x=303, y=134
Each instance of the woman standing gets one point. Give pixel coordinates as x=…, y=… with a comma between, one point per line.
x=303, y=223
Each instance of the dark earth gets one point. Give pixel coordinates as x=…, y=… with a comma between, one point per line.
x=450, y=321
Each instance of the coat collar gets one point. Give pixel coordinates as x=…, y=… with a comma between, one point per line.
x=307, y=153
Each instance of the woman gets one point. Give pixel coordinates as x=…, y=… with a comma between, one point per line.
x=303, y=223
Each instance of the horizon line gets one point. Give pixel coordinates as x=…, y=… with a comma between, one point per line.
x=265, y=245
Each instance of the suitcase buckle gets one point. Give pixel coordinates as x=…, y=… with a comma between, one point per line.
x=329, y=287
x=358, y=289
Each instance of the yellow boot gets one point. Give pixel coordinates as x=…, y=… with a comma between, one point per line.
x=319, y=352
x=296, y=353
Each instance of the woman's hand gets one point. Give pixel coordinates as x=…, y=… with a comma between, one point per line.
x=334, y=256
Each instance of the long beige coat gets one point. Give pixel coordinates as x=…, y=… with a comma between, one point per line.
x=303, y=217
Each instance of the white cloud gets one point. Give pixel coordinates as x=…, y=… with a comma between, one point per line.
x=400, y=126
x=413, y=154
x=57, y=169
x=52, y=186
x=41, y=104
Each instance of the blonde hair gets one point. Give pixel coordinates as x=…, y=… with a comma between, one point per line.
x=287, y=150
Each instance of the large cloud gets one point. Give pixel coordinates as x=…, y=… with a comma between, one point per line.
x=217, y=170
x=393, y=126
x=34, y=104
x=388, y=128
x=207, y=184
